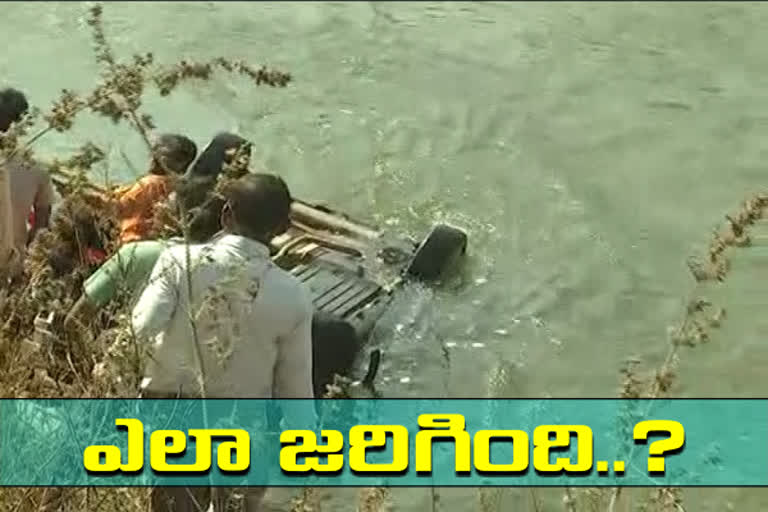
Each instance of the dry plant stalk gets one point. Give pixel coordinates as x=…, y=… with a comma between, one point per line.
x=489, y=499
x=374, y=499
x=307, y=501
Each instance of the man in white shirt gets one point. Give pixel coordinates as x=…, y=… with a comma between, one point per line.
x=226, y=321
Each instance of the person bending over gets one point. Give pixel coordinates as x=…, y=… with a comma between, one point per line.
x=130, y=267
x=171, y=155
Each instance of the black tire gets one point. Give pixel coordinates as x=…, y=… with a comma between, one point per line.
x=335, y=345
x=437, y=253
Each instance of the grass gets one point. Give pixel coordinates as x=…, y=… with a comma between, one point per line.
x=104, y=360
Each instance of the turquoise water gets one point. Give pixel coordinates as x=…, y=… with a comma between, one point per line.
x=588, y=149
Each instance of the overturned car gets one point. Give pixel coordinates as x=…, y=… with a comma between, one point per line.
x=354, y=272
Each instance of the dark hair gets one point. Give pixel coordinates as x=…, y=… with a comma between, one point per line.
x=260, y=204
x=173, y=152
x=13, y=106
x=194, y=189
x=216, y=154
x=206, y=220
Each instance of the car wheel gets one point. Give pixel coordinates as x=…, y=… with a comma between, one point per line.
x=439, y=251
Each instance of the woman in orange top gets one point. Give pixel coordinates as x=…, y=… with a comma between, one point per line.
x=171, y=156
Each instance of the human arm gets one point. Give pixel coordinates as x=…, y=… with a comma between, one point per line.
x=83, y=308
x=127, y=197
x=102, y=286
x=293, y=368
x=6, y=225
x=42, y=206
x=166, y=220
x=158, y=301
x=143, y=194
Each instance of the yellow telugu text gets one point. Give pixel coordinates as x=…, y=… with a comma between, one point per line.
x=304, y=444
x=301, y=452
x=234, y=454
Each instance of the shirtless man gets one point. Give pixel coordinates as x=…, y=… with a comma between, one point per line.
x=26, y=188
